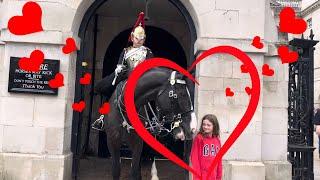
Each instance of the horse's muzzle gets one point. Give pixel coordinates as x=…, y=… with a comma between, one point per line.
x=180, y=136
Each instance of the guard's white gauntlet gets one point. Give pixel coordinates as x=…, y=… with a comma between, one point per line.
x=119, y=68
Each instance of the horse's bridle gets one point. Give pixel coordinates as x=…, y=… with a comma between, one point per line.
x=176, y=119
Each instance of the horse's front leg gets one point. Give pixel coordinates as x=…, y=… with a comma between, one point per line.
x=186, y=156
x=135, y=144
x=114, y=143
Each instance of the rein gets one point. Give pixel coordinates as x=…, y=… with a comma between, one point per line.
x=154, y=125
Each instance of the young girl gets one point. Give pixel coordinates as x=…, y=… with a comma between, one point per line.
x=205, y=147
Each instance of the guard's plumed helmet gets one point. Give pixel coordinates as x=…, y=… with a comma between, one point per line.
x=139, y=33
x=138, y=29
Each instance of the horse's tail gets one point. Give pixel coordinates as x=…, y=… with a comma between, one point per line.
x=154, y=171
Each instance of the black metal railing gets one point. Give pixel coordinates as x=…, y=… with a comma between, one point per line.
x=300, y=110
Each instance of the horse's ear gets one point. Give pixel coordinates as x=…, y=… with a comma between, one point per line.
x=180, y=76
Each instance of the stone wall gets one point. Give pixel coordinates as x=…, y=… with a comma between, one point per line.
x=262, y=147
x=35, y=130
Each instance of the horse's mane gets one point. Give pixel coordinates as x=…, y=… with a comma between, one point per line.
x=150, y=83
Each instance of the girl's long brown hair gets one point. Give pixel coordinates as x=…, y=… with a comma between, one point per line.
x=213, y=119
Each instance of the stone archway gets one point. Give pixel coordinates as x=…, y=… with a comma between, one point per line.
x=85, y=16
x=86, y=8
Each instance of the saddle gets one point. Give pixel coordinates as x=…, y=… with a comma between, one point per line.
x=170, y=110
x=98, y=124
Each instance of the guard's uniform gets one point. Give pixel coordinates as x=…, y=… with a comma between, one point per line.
x=134, y=56
x=130, y=57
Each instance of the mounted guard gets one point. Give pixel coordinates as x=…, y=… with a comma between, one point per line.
x=129, y=58
x=173, y=113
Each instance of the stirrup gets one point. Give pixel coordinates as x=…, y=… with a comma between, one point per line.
x=98, y=124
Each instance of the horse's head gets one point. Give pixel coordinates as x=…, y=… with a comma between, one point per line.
x=175, y=108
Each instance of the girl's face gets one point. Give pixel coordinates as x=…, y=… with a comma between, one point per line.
x=207, y=126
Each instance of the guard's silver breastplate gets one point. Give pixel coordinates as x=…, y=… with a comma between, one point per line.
x=135, y=56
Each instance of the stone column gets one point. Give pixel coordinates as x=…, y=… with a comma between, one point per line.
x=260, y=151
x=216, y=73
x=35, y=130
x=275, y=121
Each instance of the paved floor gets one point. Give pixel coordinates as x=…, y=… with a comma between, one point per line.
x=100, y=169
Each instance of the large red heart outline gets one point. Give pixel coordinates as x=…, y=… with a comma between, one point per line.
x=157, y=62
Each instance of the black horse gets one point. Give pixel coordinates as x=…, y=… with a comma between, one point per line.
x=174, y=112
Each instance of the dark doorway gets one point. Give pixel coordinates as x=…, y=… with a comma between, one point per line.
x=163, y=45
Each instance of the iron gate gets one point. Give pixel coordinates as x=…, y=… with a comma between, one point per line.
x=300, y=110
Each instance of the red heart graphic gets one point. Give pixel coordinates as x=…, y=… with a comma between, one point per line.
x=105, y=108
x=85, y=80
x=29, y=22
x=229, y=92
x=244, y=69
x=257, y=43
x=33, y=63
x=79, y=106
x=156, y=62
x=289, y=23
x=57, y=81
x=70, y=46
x=248, y=90
x=267, y=71
x=286, y=56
